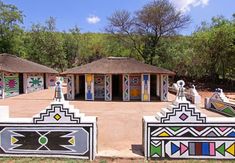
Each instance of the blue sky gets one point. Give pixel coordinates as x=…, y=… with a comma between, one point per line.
x=91, y=15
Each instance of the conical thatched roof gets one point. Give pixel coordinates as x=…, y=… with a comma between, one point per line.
x=11, y=63
x=117, y=65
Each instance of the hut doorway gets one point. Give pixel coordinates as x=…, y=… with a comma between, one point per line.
x=21, y=83
x=81, y=94
x=44, y=81
x=117, y=87
x=153, y=87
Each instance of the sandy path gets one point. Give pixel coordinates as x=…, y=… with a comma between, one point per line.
x=119, y=123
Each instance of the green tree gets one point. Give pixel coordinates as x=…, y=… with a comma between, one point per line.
x=143, y=31
x=10, y=31
x=46, y=45
x=71, y=46
x=214, y=45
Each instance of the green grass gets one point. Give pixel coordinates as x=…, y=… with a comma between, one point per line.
x=41, y=160
x=68, y=160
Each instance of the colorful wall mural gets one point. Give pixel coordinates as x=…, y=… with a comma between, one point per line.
x=34, y=82
x=145, y=87
x=89, y=78
x=70, y=87
x=164, y=87
x=57, y=131
x=126, y=87
x=11, y=81
x=99, y=86
x=50, y=79
x=218, y=102
x=108, y=87
x=182, y=131
x=135, y=87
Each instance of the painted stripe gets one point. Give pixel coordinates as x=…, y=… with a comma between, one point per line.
x=205, y=149
x=212, y=149
x=198, y=149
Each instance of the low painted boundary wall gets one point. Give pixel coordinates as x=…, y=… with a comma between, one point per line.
x=190, y=94
x=58, y=131
x=218, y=102
x=182, y=131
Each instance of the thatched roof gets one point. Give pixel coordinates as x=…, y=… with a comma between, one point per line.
x=11, y=63
x=117, y=65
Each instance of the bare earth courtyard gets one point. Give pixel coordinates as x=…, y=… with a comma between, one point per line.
x=119, y=123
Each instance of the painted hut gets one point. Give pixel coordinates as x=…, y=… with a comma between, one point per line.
x=117, y=78
x=18, y=76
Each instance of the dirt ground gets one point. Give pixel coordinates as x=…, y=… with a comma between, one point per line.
x=119, y=123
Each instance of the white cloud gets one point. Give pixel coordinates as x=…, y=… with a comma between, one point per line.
x=186, y=5
x=92, y=19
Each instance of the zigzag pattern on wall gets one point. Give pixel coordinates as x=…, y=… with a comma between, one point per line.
x=126, y=96
x=182, y=113
x=165, y=87
x=69, y=87
x=182, y=131
x=56, y=114
x=108, y=89
x=189, y=131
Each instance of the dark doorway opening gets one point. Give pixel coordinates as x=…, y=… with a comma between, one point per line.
x=117, y=87
x=21, y=83
x=81, y=94
x=153, y=87
x=44, y=81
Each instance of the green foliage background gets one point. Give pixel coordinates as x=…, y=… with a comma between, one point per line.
x=208, y=53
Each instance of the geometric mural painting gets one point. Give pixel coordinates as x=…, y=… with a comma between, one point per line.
x=182, y=131
x=59, y=130
x=11, y=81
x=126, y=87
x=99, y=82
x=135, y=87
x=108, y=87
x=70, y=87
x=220, y=103
x=51, y=79
x=164, y=91
x=145, y=87
x=89, y=87
x=34, y=83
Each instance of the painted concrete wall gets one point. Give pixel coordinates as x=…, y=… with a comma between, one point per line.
x=58, y=131
x=89, y=87
x=135, y=86
x=164, y=87
x=126, y=87
x=99, y=86
x=11, y=83
x=108, y=87
x=181, y=131
x=218, y=102
x=34, y=82
x=50, y=80
x=70, y=87
x=145, y=87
